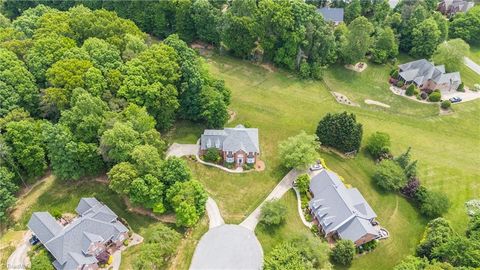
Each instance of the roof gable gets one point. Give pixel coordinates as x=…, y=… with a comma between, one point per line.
x=231, y=139
x=44, y=226
x=331, y=14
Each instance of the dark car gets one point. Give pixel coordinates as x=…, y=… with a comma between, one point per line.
x=34, y=240
x=455, y=99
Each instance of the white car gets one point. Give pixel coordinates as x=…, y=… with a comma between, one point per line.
x=316, y=167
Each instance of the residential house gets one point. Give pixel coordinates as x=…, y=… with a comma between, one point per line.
x=334, y=15
x=238, y=145
x=81, y=243
x=340, y=212
x=452, y=7
x=426, y=76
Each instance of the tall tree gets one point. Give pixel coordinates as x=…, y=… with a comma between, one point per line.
x=7, y=192
x=340, y=131
x=358, y=40
x=385, y=46
x=117, y=142
x=451, y=53
x=352, y=11
x=425, y=37
x=299, y=151
x=206, y=18
x=465, y=26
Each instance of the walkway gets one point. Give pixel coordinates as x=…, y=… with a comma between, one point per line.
x=472, y=65
x=300, y=211
x=19, y=259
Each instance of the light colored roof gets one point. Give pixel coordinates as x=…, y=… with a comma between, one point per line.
x=338, y=208
x=44, y=226
x=96, y=223
x=331, y=14
x=231, y=139
x=420, y=71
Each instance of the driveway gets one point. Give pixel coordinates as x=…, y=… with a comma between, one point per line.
x=214, y=217
x=472, y=65
x=19, y=259
x=180, y=150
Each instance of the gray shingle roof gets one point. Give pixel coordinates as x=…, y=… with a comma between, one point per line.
x=331, y=14
x=45, y=226
x=231, y=139
x=340, y=209
x=68, y=245
x=420, y=71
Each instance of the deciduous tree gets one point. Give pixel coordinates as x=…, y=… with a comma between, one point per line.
x=299, y=151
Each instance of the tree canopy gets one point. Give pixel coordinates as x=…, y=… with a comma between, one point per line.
x=340, y=131
x=299, y=151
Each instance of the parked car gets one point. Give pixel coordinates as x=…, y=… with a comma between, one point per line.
x=316, y=167
x=34, y=240
x=455, y=99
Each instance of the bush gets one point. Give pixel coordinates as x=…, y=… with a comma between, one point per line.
x=434, y=204
x=212, y=155
x=343, y=252
x=389, y=176
x=411, y=188
x=378, y=144
x=57, y=214
x=229, y=165
x=476, y=87
x=435, y=97
x=424, y=95
x=367, y=247
x=400, y=83
x=273, y=213
x=394, y=74
x=461, y=87
x=41, y=261
x=304, y=70
x=248, y=166
x=410, y=90
x=303, y=183
x=446, y=104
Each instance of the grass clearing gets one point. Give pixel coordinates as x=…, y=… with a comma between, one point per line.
x=281, y=105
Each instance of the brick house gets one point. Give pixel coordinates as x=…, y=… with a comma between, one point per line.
x=81, y=243
x=429, y=77
x=238, y=145
x=341, y=212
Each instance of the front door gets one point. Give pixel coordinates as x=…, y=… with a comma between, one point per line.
x=240, y=161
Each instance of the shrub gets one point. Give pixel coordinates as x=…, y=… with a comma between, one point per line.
x=435, y=97
x=410, y=90
x=378, y=144
x=212, y=155
x=424, y=95
x=476, y=87
x=461, y=87
x=304, y=70
x=411, y=188
x=389, y=176
x=273, y=213
x=400, y=83
x=248, y=166
x=446, y=104
x=126, y=242
x=303, y=183
x=434, y=204
x=41, y=261
x=394, y=74
x=57, y=214
x=229, y=165
x=367, y=247
x=343, y=252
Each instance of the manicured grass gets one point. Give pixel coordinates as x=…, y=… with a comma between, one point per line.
x=281, y=105
x=469, y=77
x=292, y=228
x=64, y=196
x=475, y=53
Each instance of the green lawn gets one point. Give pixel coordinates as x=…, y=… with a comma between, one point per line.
x=281, y=105
x=469, y=77
x=475, y=53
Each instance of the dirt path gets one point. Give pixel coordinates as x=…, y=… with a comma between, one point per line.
x=378, y=103
x=30, y=196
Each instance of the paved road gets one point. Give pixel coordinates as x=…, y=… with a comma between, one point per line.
x=19, y=259
x=214, y=217
x=283, y=186
x=180, y=150
x=472, y=65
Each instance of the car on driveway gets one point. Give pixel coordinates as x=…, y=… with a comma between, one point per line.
x=33, y=240
x=455, y=99
x=316, y=167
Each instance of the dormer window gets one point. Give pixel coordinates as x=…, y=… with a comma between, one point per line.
x=209, y=143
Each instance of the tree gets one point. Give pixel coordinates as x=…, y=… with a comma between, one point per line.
x=343, y=252
x=352, y=11
x=238, y=34
x=465, y=26
x=7, y=192
x=425, y=38
x=340, y=131
x=473, y=228
x=385, y=46
x=285, y=256
x=206, y=18
x=148, y=191
x=273, y=213
x=174, y=170
x=412, y=263
x=473, y=207
x=303, y=183
x=152, y=137
x=434, y=204
x=299, y=151
x=121, y=176
x=314, y=251
x=378, y=144
x=389, y=176
x=437, y=232
x=139, y=118
x=358, y=40
x=117, y=143
x=410, y=90
x=17, y=85
x=459, y=251
x=214, y=107
x=451, y=53
x=146, y=159
x=41, y=261
x=103, y=55
x=188, y=200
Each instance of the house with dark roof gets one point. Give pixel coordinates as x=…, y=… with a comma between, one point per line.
x=334, y=15
x=452, y=7
x=426, y=76
x=341, y=212
x=82, y=243
x=238, y=145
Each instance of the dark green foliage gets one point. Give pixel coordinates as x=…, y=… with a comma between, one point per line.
x=303, y=183
x=389, y=176
x=358, y=40
x=343, y=252
x=206, y=18
x=188, y=200
x=212, y=155
x=434, y=204
x=446, y=104
x=461, y=87
x=117, y=142
x=41, y=261
x=473, y=228
x=7, y=192
x=425, y=38
x=385, y=46
x=174, y=170
x=273, y=213
x=459, y=251
x=465, y=26
x=340, y=131
x=435, y=97
x=394, y=74
x=400, y=83
x=378, y=144
x=437, y=232
x=410, y=90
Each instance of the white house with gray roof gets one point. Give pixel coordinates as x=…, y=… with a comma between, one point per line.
x=238, y=145
x=426, y=76
x=334, y=15
x=82, y=243
x=341, y=212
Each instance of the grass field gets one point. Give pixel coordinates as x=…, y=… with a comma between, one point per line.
x=281, y=105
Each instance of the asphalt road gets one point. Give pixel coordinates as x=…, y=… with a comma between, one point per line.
x=472, y=65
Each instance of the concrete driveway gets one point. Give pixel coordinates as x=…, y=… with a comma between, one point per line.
x=19, y=259
x=214, y=217
x=472, y=65
x=180, y=150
